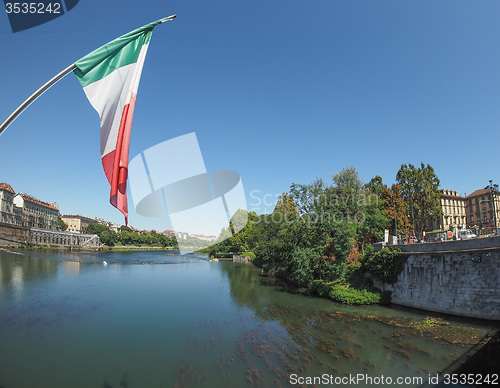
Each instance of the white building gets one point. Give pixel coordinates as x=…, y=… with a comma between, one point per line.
x=454, y=214
x=181, y=235
x=7, y=204
x=204, y=238
x=32, y=212
x=77, y=223
x=114, y=227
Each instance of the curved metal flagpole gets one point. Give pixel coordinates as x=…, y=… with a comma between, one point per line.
x=34, y=96
x=47, y=86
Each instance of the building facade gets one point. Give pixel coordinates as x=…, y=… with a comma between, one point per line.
x=77, y=223
x=34, y=213
x=169, y=233
x=454, y=210
x=112, y=226
x=483, y=210
x=28, y=220
x=181, y=235
x=40, y=236
x=7, y=195
x=204, y=238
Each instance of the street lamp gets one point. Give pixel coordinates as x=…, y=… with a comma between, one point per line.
x=480, y=215
x=395, y=217
x=494, y=194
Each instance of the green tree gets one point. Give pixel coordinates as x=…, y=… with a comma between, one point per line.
x=420, y=189
x=286, y=206
x=307, y=198
x=96, y=228
x=241, y=235
x=275, y=244
x=374, y=223
x=376, y=186
x=61, y=225
x=125, y=237
x=375, y=218
x=329, y=224
x=395, y=206
x=108, y=237
x=348, y=191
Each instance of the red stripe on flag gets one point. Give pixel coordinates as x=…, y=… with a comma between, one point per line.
x=107, y=165
x=118, y=195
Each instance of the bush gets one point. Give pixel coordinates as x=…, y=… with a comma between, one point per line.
x=346, y=294
x=250, y=255
x=353, y=270
x=368, y=252
x=386, y=265
x=222, y=255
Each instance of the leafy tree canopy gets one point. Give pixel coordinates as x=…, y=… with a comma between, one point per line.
x=420, y=189
x=61, y=224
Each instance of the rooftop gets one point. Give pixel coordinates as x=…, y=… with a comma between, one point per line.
x=450, y=194
x=7, y=187
x=39, y=202
x=479, y=192
x=89, y=220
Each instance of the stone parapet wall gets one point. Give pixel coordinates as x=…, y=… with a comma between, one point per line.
x=458, y=245
x=13, y=233
x=465, y=283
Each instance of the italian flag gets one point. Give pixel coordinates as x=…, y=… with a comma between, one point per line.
x=110, y=78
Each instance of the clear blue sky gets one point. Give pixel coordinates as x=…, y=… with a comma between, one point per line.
x=279, y=91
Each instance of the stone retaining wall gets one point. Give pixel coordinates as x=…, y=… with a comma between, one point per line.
x=463, y=282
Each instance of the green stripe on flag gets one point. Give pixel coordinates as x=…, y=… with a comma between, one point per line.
x=103, y=61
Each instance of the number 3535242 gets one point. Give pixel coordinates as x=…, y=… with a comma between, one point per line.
x=33, y=8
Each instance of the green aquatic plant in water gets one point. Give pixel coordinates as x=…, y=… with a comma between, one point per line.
x=345, y=293
x=445, y=331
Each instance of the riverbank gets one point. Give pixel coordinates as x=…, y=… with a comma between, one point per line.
x=481, y=358
x=48, y=248
x=354, y=288
x=127, y=248
x=130, y=248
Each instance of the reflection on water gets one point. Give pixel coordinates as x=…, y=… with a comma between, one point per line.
x=78, y=323
x=20, y=268
x=70, y=266
x=112, y=257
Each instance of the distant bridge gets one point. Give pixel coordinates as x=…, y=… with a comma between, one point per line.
x=39, y=236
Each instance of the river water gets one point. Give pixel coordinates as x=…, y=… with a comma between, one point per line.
x=158, y=319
